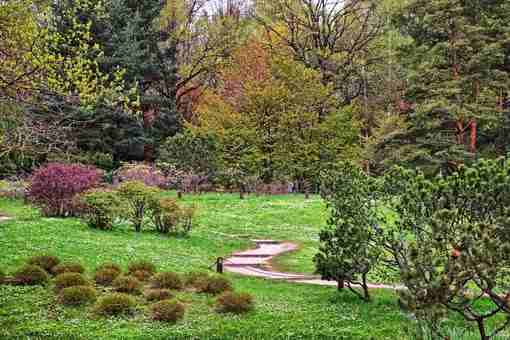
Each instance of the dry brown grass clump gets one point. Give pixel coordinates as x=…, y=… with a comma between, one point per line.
x=105, y=277
x=145, y=266
x=214, y=285
x=158, y=295
x=167, y=280
x=77, y=295
x=66, y=280
x=46, y=262
x=68, y=267
x=115, y=304
x=167, y=311
x=237, y=303
x=31, y=275
x=127, y=284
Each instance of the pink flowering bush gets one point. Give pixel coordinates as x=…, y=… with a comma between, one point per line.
x=53, y=187
x=138, y=172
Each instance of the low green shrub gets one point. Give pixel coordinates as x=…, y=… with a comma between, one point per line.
x=105, y=277
x=31, y=275
x=77, y=295
x=68, y=267
x=165, y=215
x=66, y=280
x=141, y=266
x=192, y=279
x=237, y=303
x=13, y=189
x=214, y=285
x=46, y=262
x=127, y=284
x=167, y=280
x=187, y=215
x=170, y=217
x=167, y=311
x=115, y=304
x=158, y=295
x=138, y=197
x=100, y=208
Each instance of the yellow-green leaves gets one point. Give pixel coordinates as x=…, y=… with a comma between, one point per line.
x=37, y=59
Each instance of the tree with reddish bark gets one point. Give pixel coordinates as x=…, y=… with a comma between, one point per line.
x=458, y=74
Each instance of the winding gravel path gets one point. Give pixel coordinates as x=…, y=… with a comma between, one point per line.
x=257, y=263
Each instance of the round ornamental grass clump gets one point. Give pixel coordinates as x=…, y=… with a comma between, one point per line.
x=68, y=267
x=145, y=266
x=192, y=279
x=167, y=311
x=127, y=284
x=237, y=303
x=77, y=295
x=46, y=262
x=31, y=275
x=115, y=304
x=105, y=277
x=158, y=295
x=142, y=275
x=110, y=266
x=167, y=280
x=66, y=280
x=214, y=285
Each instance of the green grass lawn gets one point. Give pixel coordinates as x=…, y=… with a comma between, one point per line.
x=224, y=224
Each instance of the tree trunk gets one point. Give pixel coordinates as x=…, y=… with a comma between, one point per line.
x=460, y=133
x=366, y=293
x=340, y=285
x=148, y=153
x=473, y=137
x=481, y=329
x=148, y=148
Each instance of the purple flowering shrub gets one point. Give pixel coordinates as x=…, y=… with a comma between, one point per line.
x=137, y=172
x=54, y=186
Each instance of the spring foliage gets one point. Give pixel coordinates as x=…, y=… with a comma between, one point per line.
x=459, y=224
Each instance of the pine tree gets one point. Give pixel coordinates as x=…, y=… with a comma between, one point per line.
x=129, y=36
x=133, y=46
x=459, y=62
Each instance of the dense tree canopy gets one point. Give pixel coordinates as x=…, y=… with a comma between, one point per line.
x=285, y=88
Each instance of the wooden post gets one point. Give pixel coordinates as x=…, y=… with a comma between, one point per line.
x=219, y=265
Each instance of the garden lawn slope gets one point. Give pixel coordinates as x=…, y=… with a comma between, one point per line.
x=224, y=224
